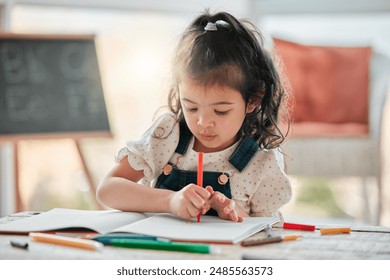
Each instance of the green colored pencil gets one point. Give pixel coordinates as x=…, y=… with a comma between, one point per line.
x=163, y=245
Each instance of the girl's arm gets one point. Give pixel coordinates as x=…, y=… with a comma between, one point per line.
x=119, y=190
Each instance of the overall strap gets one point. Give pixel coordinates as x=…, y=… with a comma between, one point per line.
x=185, y=138
x=244, y=153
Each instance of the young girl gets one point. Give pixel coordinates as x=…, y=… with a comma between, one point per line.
x=224, y=101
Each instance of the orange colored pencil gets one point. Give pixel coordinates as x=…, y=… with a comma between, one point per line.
x=335, y=230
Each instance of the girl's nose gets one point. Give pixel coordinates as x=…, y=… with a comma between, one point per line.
x=205, y=121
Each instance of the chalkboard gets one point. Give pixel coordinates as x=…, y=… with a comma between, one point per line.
x=50, y=85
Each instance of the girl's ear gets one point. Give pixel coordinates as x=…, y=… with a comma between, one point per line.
x=252, y=106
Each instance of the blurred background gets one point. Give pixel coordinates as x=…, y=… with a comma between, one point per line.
x=134, y=41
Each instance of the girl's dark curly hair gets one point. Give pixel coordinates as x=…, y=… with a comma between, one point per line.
x=234, y=55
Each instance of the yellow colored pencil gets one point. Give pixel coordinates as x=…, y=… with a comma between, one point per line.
x=65, y=241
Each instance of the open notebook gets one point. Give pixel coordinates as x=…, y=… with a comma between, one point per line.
x=209, y=230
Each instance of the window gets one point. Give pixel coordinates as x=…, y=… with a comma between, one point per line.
x=134, y=51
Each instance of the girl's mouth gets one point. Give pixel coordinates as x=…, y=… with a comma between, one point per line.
x=207, y=137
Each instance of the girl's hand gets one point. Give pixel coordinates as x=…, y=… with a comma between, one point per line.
x=189, y=202
x=225, y=207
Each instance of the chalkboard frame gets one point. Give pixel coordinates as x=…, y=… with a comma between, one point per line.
x=106, y=132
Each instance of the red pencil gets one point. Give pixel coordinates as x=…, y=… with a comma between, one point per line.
x=299, y=226
x=200, y=174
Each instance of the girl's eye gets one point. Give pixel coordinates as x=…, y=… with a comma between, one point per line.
x=192, y=110
x=221, y=113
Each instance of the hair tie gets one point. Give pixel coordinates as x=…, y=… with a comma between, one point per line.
x=211, y=26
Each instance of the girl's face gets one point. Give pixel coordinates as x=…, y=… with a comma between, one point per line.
x=214, y=114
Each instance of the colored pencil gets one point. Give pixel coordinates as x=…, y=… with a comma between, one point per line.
x=200, y=174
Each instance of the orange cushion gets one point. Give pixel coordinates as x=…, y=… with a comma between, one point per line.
x=329, y=84
x=309, y=129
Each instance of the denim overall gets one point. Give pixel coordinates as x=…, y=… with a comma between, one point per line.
x=177, y=179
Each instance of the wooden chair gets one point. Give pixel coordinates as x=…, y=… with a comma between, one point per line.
x=339, y=98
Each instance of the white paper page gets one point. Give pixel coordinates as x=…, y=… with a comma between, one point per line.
x=101, y=221
x=210, y=229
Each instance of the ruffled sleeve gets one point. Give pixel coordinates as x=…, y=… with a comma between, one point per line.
x=154, y=149
x=274, y=189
